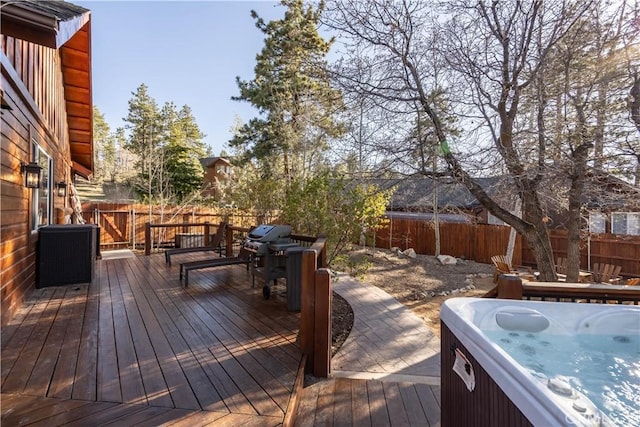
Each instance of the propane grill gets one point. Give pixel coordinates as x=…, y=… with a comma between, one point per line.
x=269, y=243
x=261, y=237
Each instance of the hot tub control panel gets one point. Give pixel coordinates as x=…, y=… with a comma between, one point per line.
x=576, y=405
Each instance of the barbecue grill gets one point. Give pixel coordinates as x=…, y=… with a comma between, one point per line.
x=263, y=235
x=269, y=243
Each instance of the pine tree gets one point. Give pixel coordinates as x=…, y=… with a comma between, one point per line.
x=168, y=145
x=104, y=150
x=291, y=90
x=184, y=148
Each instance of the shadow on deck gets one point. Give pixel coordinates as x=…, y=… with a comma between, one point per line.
x=135, y=348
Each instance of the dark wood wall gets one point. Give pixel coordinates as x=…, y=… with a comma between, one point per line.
x=33, y=89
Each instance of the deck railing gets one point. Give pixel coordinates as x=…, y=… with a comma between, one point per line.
x=158, y=237
x=512, y=287
x=315, y=314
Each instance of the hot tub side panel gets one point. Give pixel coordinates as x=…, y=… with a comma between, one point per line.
x=486, y=405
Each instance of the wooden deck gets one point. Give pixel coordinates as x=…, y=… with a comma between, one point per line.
x=354, y=402
x=135, y=348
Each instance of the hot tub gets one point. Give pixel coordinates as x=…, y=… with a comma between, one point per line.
x=526, y=359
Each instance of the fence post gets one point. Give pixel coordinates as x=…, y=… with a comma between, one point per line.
x=322, y=324
x=509, y=287
x=147, y=238
x=307, y=306
x=207, y=232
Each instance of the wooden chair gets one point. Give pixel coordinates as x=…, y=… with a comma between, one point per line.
x=215, y=244
x=561, y=266
x=606, y=273
x=503, y=266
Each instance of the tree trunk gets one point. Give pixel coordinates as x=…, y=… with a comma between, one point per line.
x=577, y=177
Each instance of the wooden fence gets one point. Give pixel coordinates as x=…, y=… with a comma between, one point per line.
x=479, y=242
x=124, y=225
x=598, y=248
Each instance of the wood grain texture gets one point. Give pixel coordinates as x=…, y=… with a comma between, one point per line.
x=134, y=346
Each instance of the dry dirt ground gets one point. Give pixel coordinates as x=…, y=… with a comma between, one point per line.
x=421, y=284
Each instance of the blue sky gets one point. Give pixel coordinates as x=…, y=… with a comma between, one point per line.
x=187, y=52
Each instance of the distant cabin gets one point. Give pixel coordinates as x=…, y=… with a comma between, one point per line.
x=217, y=174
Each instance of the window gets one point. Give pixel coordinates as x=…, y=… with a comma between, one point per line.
x=625, y=223
x=41, y=197
x=597, y=222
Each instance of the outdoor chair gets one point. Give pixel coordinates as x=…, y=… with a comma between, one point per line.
x=244, y=257
x=634, y=281
x=606, y=273
x=503, y=266
x=561, y=266
x=215, y=244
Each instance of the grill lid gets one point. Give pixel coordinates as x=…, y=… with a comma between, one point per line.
x=269, y=233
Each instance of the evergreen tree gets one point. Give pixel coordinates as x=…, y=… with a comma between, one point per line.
x=184, y=148
x=105, y=149
x=291, y=90
x=145, y=141
x=168, y=145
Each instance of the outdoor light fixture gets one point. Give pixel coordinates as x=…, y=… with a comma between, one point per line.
x=62, y=189
x=32, y=174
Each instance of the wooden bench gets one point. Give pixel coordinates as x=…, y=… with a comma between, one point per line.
x=244, y=257
x=214, y=245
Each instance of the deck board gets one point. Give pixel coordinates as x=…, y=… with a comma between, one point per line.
x=357, y=402
x=62, y=381
x=133, y=348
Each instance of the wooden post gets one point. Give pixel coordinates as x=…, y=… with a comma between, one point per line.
x=147, y=238
x=229, y=240
x=307, y=306
x=509, y=287
x=207, y=233
x=322, y=324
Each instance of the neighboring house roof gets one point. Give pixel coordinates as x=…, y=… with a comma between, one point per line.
x=67, y=27
x=415, y=194
x=601, y=191
x=605, y=191
x=209, y=161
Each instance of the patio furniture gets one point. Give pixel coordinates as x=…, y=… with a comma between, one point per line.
x=214, y=245
x=561, y=266
x=244, y=257
x=503, y=266
x=634, y=281
x=606, y=273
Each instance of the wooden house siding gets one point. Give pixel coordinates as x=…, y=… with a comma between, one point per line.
x=39, y=70
x=33, y=89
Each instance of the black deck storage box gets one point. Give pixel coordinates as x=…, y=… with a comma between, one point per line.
x=66, y=254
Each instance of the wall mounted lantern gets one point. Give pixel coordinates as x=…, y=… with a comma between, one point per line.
x=32, y=174
x=61, y=188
